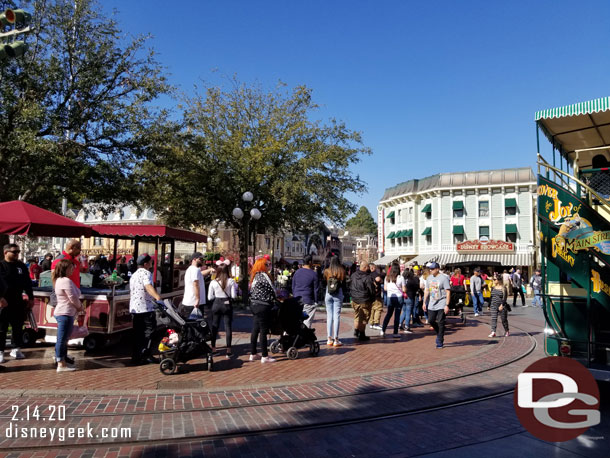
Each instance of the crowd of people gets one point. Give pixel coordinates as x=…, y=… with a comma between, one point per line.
x=414, y=296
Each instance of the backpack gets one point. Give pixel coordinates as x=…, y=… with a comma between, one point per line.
x=333, y=285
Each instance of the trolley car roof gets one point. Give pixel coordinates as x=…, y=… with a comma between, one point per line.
x=578, y=126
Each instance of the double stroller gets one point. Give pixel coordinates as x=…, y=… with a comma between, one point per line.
x=188, y=342
x=457, y=303
x=287, y=323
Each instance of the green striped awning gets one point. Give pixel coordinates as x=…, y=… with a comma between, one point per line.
x=403, y=233
x=458, y=205
x=409, y=233
x=592, y=106
x=427, y=208
x=511, y=228
x=458, y=230
x=391, y=235
x=390, y=215
x=427, y=231
x=508, y=203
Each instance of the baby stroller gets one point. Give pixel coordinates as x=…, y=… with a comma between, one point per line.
x=191, y=342
x=287, y=322
x=457, y=302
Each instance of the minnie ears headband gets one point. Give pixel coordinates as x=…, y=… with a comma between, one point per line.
x=222, y=261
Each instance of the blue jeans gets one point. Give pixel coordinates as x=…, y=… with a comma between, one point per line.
x=537, y=298
x=407, y=311
x=333, y=312
x=394, y=305
x=477, y=302
x=65, y=323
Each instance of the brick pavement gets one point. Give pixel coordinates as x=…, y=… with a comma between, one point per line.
x=236, y=410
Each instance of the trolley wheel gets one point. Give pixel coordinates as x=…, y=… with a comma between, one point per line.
x=292, y=353
x=210, y=363
x=167, y=366
x=29, y=337
x=92, y=343
x=315, y=349
x=275, y=347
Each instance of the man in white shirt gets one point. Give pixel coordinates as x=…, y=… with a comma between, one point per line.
x=194, y=287
x=141, y=306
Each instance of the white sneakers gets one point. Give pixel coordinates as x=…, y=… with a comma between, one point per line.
x=2, y=358
x=254, y=357
x=267, y=359
x=476, y=314
x=16, y=353
x=493, y=334
x=66, y=368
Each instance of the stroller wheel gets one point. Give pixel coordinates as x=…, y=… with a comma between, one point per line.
x=275, y=346
x=314, y=349
x=292, y=353
x=167, y=366
x=210, y=363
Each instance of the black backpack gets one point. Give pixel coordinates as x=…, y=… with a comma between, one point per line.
x=333, y=285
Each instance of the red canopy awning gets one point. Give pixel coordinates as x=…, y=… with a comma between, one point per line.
x=20, y=218
x=137, y=230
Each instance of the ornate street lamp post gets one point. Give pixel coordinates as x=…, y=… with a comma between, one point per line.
x=244, y=240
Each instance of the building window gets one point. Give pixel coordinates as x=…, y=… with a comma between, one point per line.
x=484, y=208
x=98, y=241
x=268, y=242
x=510, y=207
x=512, y=238
x=429, y=239
x=458, y=209
x=458, y=238
x=483, y=231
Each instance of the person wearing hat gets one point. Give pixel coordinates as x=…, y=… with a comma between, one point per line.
x=536, y=284
x=438, y=291
x=141, y=306
x=476, y=291
x=194, y=287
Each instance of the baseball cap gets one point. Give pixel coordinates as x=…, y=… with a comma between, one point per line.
x=143, y=259
x=477, y=269
x=196, y=255
x=434, y=265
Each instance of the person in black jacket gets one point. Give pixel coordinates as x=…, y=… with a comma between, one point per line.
x=16, y=279
x=46, y=263
x=362, y=291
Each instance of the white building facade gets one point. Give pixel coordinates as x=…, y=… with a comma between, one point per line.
x=430, y=219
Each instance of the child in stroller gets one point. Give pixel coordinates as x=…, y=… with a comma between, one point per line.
x=193, y=336
x=287, y=323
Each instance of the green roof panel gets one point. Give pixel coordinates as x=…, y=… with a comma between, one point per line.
x=390, y=235
x=510, y=203
x=427, y=231
x=511, y=228
x=409, y=233
x=427, y=208
x=390, y=215
x=458, y=205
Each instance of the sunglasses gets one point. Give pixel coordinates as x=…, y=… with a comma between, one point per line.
x=14, y=251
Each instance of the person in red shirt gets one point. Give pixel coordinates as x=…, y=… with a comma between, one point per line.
x=457, y=279
x=71, y=253
x=35, y=270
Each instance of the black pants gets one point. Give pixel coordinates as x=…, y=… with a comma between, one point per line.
x=517, y=291
x=15, y=316
x=222, y=308
x=260, y=325
x=436, y=318
x=394, y=307
x=144, y=325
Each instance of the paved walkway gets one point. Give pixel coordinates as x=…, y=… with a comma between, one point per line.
x=250, y=409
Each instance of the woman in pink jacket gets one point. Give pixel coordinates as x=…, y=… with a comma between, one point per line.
x=68, y=305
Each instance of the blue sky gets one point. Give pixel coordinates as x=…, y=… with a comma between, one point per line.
x=436, y=86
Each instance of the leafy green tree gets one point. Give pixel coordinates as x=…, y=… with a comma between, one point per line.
x=246, y=139
x=75, y=109
x=362, y=223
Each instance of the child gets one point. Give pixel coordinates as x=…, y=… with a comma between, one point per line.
x=498, y=305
